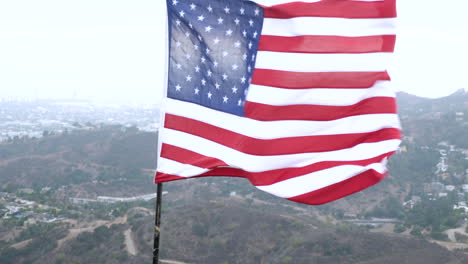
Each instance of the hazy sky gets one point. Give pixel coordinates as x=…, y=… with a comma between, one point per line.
x=115, y=49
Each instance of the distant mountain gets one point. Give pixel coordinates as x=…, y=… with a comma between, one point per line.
x=409, y=104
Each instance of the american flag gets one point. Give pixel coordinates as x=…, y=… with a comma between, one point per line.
x=293, y=96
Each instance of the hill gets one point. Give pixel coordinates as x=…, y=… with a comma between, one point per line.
x=225, y=220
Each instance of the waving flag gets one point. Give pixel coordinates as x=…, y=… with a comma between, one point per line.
x=293, y=96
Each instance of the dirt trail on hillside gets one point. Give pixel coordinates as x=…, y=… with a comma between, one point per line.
x=451, y=232
x=129, y=243
x=87, y=227
x=21, y=244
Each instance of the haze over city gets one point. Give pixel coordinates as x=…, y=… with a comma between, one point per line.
x=114, y=50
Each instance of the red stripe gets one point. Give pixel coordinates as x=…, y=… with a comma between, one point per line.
x=279, y=146
x=341, y=189
x=189, y=157
x=301, y=80
x=333, y=8
x=374, y=105
x=327, y=44
x=328, y=194
x=273, y=176
x=218, y=172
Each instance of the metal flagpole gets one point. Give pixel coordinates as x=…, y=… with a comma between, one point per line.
x=157, y=220
x=157, y=225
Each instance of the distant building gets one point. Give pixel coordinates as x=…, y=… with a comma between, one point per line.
x=465, y=187
x=443, y=194
x=461, y=206
x=45, y=189
x=411, y=203
x=26, y=190
x=450, y=188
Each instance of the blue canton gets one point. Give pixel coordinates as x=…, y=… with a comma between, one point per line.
x=212, y=51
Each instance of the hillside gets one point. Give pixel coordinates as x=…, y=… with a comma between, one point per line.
x=226, y=220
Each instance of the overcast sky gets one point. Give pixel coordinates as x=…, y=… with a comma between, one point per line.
x=115, y=49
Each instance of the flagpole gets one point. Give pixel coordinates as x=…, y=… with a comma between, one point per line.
x=157, y=219
x=157, y=225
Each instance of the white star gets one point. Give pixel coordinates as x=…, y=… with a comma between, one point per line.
x=182, y=13
x=235, y=67
x=237, y=21
x=197, y=69
x=225, y=53
x=178, y=66
x=210, y=9
x=253, y=57
x=237, y=44
x=244, y=57
x=188, y=78
x=257, y=12
x=225, y=76
x=209, y=95
x=250, y=44
x=188, y=56
x=178, y=44
x=203, y=59
x=255, y=34
x=243, y=79
x=229, y=32
x=193, y=6
x=220, y=20
x=207, y=51
x=199, y=38
x=178, y=87
x=239, y=102
x=190, y=25
x=208, y=29
x=249, y=68
x=201, y=18
x=187, y=34
x=195, y=47
x=203, y=82
x=217, y=85
x=226, y=9
x=242, y=11
x=234, y=89
x=244, y=33
x=251, y=22
x=208, y=73
x=177, y=22
x=225, y=99
x=196, y=90
x=216, y=41
x=174, y=2
x=215, y=63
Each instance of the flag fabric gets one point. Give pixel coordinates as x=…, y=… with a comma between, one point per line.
x=293, y=96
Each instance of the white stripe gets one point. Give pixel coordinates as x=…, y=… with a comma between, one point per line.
x=254, y=163
x=318, y=180
x=279, y=2
x=176, y=168
x=280, y=129
x=329, y=26
x=313, y=62
x=334, y=97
